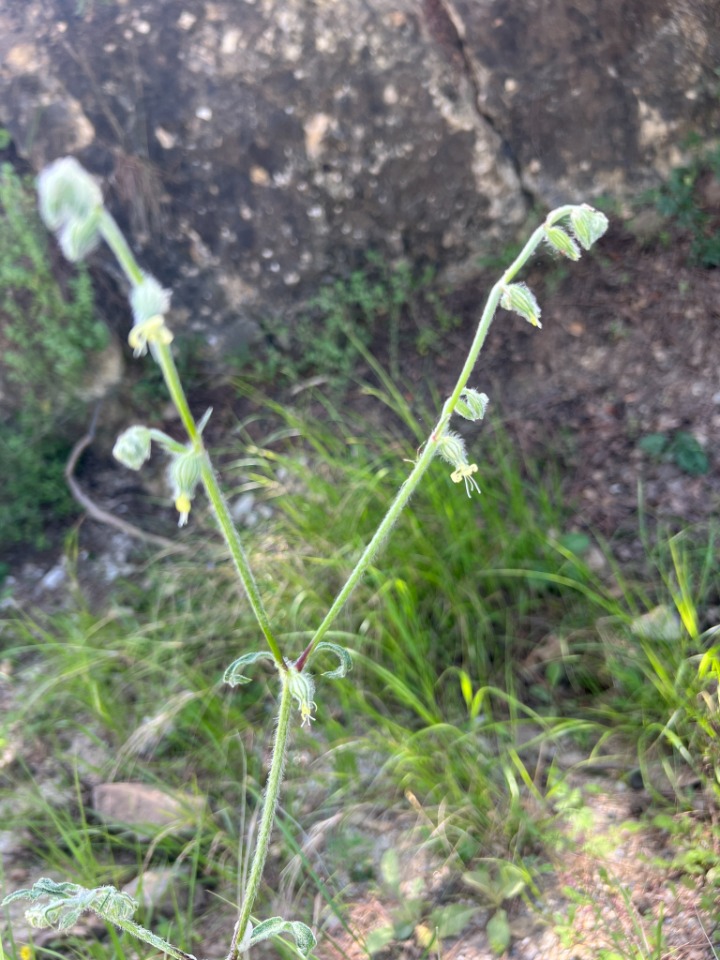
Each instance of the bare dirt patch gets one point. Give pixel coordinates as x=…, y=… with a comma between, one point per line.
x=630, y=347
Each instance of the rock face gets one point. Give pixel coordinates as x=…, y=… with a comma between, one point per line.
x=253, y=149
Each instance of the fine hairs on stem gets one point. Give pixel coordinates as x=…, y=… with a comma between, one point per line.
x=71, y=204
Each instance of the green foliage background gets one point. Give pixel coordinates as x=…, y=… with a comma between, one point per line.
x=47, y=331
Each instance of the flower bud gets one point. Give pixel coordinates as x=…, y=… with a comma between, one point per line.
x=132, y=447
x=148, y=299
x=562, y=242
x=79, y=237
x=67, y=192
x=472, y=405
x=588, y=225
x=451, y=448
x=302, y=689
x=520, y=299
x=185, y=472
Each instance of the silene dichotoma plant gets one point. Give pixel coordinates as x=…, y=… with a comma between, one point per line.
x=71, y=204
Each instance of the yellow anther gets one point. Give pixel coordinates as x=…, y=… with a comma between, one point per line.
x=182, y=505
x=152, y=330
x=465, y=472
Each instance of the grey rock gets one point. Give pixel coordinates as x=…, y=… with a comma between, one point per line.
x=12, y=845
x=90, y=757
x=254, y=150
x=54, y=578
x=163, y=891
x=146, y=808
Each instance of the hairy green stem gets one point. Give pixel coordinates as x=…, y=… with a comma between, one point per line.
x=272, y=793
x=112, y=234
x=219, y=505
x=142, y=933
x=164, y=357
x=431, y=445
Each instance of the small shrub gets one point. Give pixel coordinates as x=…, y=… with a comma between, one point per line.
x=681, y=201
x=681, y=448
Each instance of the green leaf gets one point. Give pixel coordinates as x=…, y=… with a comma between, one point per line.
x=234, y=675
x=343, y=656
x=688, y=454
x=451, y=920
x=390, y=869
x=379, y=938
x=67, y=901
x=304, y=937
x=268, y=928
x=480, y=880
x=710, y=662
x=576, y=542
x=301, y=933
x=403, y=929
x=498, y=932
x=654, y=444
x=512, y=880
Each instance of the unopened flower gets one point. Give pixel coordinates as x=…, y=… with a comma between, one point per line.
x=79, y=236
x=302, y=689
x=153, y=330
x=472, y=404
x=519, y=298
x=185, y=472
x=562, y=242
x=588, y=224
x=67, y=193
x=465, y=472
x=132, y=447
x=451, y=448
x=148, y=298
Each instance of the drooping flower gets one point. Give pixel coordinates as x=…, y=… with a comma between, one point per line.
x=184, y=474
x=152, y=330
x=465, y=472
x=451, y=448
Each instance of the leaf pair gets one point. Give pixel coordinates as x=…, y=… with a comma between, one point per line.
x=301, y=933
x=67, y=901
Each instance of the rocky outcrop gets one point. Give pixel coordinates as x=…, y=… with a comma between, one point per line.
x=255, y=148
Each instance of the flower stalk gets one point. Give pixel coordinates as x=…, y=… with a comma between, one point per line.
x=272, y=794
x=435, y=439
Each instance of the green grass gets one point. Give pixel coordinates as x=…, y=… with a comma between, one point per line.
x=47, y=333
x=396, y=306
x=680, y=200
